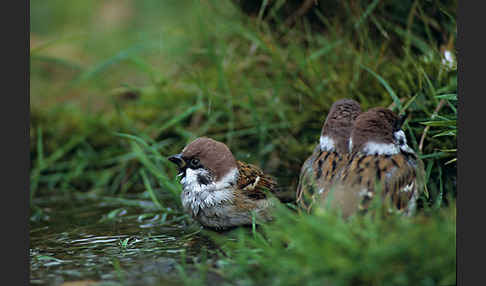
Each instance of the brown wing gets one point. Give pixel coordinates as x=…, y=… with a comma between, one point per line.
x=400, y=180
x=317, y=174
x=397, y=175
x=253, y=182
x=327, y=168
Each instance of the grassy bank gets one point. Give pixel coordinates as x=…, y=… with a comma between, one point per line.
x=117, y=86
x=323, y=249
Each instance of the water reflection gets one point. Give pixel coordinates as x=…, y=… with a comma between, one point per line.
x=101, y=242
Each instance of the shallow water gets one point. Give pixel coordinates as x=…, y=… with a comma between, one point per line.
x=110, y=241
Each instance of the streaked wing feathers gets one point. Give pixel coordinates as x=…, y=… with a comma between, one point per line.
x=396, y=173
x=317, y=174
x=253, y=182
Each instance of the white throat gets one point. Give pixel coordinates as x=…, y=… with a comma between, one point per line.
x=326, y=143
x=399, y=144
x=374, y=148
x=196, y=196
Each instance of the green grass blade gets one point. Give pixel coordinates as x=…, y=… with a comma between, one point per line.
x=385, y=84
x=150, y=191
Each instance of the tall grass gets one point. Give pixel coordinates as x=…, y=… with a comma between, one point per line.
x=322, y=248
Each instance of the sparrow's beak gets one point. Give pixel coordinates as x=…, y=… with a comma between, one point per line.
x=177, y=159
x=400, y=121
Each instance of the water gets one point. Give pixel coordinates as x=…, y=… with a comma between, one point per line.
x=111, y=241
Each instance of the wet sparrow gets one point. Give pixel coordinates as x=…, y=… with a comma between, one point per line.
x=330, y=155
x=379, y=157
x=219, y=191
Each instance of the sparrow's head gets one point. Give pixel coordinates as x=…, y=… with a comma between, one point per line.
x=338, y=125
x=379, y=131
x=204, y=161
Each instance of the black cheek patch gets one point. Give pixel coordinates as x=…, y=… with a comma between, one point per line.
x=203, y=180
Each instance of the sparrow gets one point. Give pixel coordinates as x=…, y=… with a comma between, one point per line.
x=218, y=191
x=330, y=155
x=379, y=158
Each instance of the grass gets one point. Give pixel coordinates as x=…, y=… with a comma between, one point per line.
x=323, y=248
x=116, y=87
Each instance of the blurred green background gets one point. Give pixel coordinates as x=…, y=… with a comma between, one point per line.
x=118, y=85
x=256, y=75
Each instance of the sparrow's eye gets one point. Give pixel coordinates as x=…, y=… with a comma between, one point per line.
x=194, y=162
